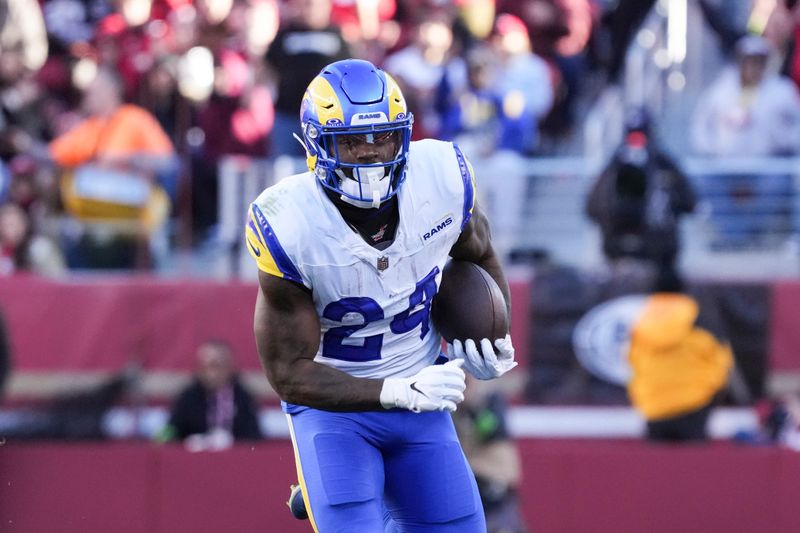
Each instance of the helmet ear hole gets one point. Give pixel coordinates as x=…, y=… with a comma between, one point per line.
x=312, y=131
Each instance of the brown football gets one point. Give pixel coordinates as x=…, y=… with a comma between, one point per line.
x=469, y=304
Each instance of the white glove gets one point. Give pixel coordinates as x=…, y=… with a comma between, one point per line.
x=484, y=364
x=434, y=388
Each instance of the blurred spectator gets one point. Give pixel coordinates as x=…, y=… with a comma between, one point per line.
x=748, y=112
x=121, y=44
x=523, y=85
x=236, y=119
x=116, y=135
x=419, y=67
x=638, y=200
x=472, y=112
x=478, y=17
x=73, y=416
x=215, y=408
x=159, y=94
x=559, y=31
x=493, y=455
x=728, y=19
x=304, y=44
x=612, y=305
x=119, y=165
x=618, y=24
x=677, y=368
x=33, y=187
x=570, y=58
x=620, y=21
x=783, y=31
x=370, y=27
x=508, y=89
x=22, y=100
x=70, y=22
x=22, y=250
x=778, y=423
x=495, y=96
x=261, y=24
x=22, y=31
x=545, y=20
x=24, y=188
x=580, y=328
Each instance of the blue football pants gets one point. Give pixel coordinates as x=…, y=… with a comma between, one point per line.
x=394, y=471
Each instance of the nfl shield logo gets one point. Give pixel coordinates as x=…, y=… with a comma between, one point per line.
x=383, y=263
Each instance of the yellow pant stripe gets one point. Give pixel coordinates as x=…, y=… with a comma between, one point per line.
x=300, y=478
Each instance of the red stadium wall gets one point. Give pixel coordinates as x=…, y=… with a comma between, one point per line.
x=785, y=325
x=96, y=325
x=102, y=324
x=569, y=486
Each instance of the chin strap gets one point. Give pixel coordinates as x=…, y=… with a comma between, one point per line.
x=371, y=178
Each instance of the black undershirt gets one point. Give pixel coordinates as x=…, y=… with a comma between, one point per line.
x=377, y=226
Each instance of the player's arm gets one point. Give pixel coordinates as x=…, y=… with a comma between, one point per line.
x=491, y=358
x=287, y=331
x=475, y=245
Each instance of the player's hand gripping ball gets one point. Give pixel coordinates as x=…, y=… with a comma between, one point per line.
x=470, y=313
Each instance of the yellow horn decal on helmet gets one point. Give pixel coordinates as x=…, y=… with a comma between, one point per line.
x=397, y=104
x=326, y=103
x=311, y=162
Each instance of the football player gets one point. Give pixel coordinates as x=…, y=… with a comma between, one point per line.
x=350, y=256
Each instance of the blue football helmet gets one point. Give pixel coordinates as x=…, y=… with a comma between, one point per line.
x=354, y=97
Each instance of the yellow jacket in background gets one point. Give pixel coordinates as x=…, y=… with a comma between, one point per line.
x=676, y=367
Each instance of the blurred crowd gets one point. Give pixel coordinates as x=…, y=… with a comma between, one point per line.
x=116, y=114
x=183, y=83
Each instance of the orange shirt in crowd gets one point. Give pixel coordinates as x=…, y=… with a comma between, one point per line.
x=130, y=130
x=676, y=366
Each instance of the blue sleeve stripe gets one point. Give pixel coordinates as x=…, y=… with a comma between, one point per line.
x=251, y=224
x=469, y=191
x=282, y=260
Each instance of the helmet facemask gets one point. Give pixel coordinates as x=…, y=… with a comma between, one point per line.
x=365, y=165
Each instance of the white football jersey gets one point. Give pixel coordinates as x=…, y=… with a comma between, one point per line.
x=374, y=305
